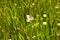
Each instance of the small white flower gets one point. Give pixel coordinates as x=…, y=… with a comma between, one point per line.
x=29, y=18
x=56, y=7
x=44, y=15
x=15, y=4
x=33, y=3
x=58, y=24
x=33, y=36
x=44, y=23
x=10, y=39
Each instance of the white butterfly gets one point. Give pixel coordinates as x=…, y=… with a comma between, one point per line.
x=29, y=18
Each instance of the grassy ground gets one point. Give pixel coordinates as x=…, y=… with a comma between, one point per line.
x=45, y=26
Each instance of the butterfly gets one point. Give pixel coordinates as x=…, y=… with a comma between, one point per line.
x=29, y=18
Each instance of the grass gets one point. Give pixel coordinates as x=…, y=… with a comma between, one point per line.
x=13, y=24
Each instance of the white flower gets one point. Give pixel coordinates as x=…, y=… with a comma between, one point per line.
x=56, y=7
x=33, y=36
x=29, y=18
x=44, y=23
x=15, y=4
x=44, y=15
x=33, y=3
x=58, y=24
x=10, y=39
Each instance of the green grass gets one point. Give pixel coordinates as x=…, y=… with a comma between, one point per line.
x=13, y=24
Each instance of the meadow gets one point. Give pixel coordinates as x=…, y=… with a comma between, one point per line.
x=29, y=20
